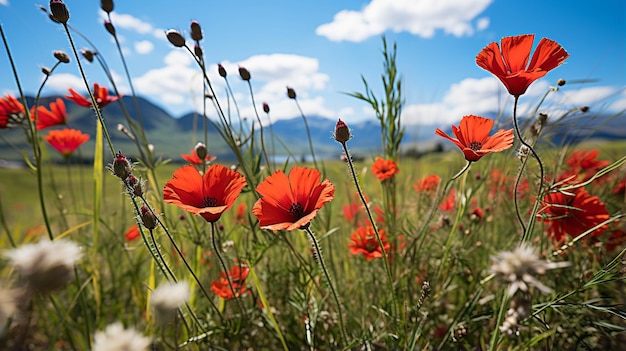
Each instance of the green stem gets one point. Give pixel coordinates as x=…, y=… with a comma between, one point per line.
x=308, y=133
x=320, y=260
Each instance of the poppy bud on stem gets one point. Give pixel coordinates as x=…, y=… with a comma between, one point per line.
x=244, y=74
x=147, y=218
x=175, y=38
x=59, y=11
x=342, y=133
x=221, y=70
x=106, y=5
x=291, y=93
x=109, y=27
x=196, y=31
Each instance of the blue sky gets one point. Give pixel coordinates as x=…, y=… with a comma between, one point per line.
x=321, y=48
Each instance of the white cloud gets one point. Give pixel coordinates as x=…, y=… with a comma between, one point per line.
x=418, y=17
x=129, y=22
x=4, y=2
x=60, y=82
x=482, y=23
x=144, y=47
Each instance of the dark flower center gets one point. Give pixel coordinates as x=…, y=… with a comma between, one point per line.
x=209, y=201
x=370, y=246
x=297, y=210
x=475, y=145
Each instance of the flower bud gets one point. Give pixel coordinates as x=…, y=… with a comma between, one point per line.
x=147, y=218
x=197, y=50
x=221, y=70
x=175, y=38
x=584, y=109
x=560, y=82
x=244, y=73
x=342, y=133
x=109, y=27
x=61, y=56
x=291, y=93
x=106, y=5
x=200, y=151
x=121, y=166
x=266, y=107
x=87, y=54
x=196, y=31
x=59, y=12
x=45, y=70
x=134, y=185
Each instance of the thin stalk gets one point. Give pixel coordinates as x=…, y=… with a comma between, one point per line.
x=320, y=260
x=308, y=132
x=267, y=160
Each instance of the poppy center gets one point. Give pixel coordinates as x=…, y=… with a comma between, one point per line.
x=209, y=201
x=297, y=210
x=370, y=246
x=475, y=145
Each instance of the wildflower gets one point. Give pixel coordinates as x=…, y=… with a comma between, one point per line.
x=520, y=267
x=429, y=183
x=448, y=203
x=342, y=133
x=132, y=233
x=573, y=213
x=66, y=141
x=57, y=115
x=474, y=140
x=175, y=38
x=237, y=275
x=289, y=203
x=167, y=298
x=45, y=266
x=194, y=156
x=209, y=195
x=147, y=218
x=241, y=213
x=585, y=163
x=509, y=62
x=384, y=169
x=101, y=94
x=116, y=338
x=59, y=12
x=363, y=241
x=620, y=187
x=10, y=110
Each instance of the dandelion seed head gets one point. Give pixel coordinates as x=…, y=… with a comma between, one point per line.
x=116, y=338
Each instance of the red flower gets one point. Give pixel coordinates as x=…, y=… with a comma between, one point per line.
x=66, y=141
x=289, y=203
x=209, y=195
x=448, y=203
x=384, y=169
x=10, y=108
x=427, y=184
x=509, y=62
x=573, y=213
x=132, y=233
x=237, y=275
x=193, y=158
x=620, y=187
x=100, y=93
x=363, y=241
x=57, y=115
x=241, y=213
x=474, y=140
x=585, y=162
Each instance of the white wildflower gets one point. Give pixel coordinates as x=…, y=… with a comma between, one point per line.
x=45, y=266
x=116, y=338
x=520, y=267
x=167, y=298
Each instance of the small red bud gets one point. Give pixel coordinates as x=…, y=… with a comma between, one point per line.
x=196, y=31
x=197, y=50
x=266, y=107
x=148, y=219
x=121, y=166
x=342, y=132
x=221, y=70
x=109, y=27
x=244, y=73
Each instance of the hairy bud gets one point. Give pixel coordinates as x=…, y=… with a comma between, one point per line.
x=342, y=133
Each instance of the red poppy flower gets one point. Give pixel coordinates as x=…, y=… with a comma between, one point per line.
x=57, y=115
x=132, y=233
x=585, y=163
x=193, y=158
x=448, y=203
x=289, y=203
x=66, y=141
x=209, y=195
x=620, y=187
x=427, y=184
x=509, y=61
x=241, y=213
x=363, y=241
x=238, y=275
x=573, y=213
x=474, y=140
x=384, y=169
x=10, y=109
x=100, y=93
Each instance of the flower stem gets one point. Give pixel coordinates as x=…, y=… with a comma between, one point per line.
x=320, y=260
x=308, y=133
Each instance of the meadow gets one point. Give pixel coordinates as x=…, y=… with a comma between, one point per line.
x=510, y=241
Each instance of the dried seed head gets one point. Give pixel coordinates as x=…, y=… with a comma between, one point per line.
x=61, y=56
x=244, y=73
x=87, y=54
x=342, y=133
x=197, y=50
x=106, y=5
x=59, y=12
x=266, y=107
x=147, y=218
x=109, y=27
x=115, y=337
x=196, y=31
x=221, y=70
x=200, y=151
x=291, y=93
x=121, y=166
x=167, y=298
x=561, y=82
x=584, y=109
x=175, y=38
x=46, y=71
